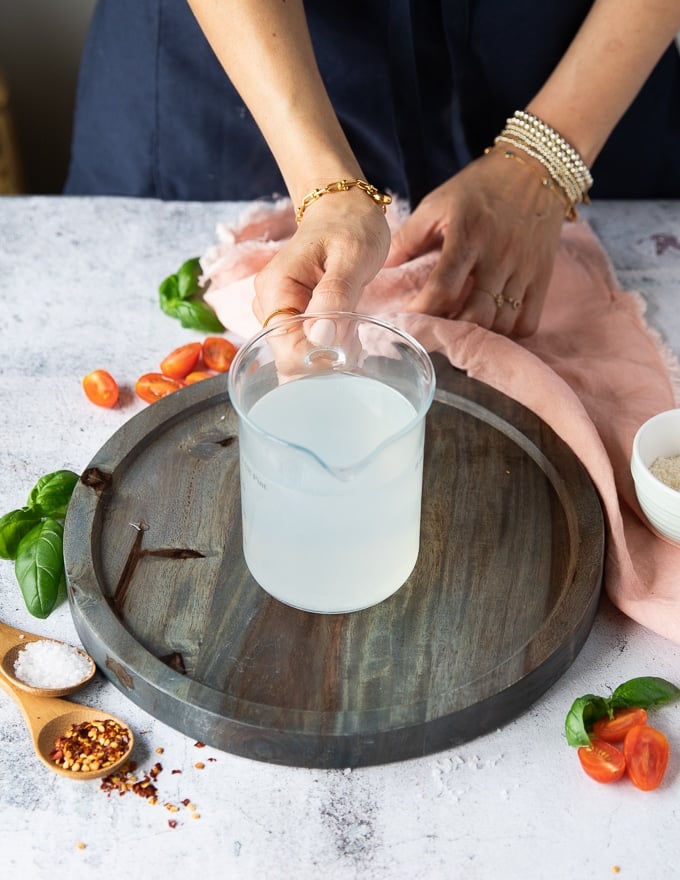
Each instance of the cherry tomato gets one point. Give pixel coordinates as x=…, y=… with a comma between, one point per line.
x=101, y=388
x=198, y=376
x=182, y=361
x=646, y=752
x=614, y=729
x=152, y=386
x=218, y=353
x=602, y=761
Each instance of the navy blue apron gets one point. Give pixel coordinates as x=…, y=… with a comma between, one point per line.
x=420, y=87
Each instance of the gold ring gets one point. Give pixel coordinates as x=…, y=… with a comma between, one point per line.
x=515, y=303
x=500, y=300
x=288, y=310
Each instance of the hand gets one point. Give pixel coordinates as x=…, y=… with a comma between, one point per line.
x=498, y=228
x=339, y=247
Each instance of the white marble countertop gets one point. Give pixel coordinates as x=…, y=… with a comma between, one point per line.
x=78, y=290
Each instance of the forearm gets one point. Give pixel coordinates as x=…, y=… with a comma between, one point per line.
x=265, y=49
x=614, y=52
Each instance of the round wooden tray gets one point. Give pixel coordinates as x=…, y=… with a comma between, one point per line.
x=499, y=604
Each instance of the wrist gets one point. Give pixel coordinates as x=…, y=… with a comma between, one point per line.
x=343, y=186
x=319, y=173
x=535, y=169
x=581, y=135
x=563, y=163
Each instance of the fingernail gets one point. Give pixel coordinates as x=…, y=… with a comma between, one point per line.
x=322, y=331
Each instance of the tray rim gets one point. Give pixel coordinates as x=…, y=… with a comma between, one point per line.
x=118, y=665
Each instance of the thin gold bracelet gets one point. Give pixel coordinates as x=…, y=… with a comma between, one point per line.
x=381, y=199
x=570, y=212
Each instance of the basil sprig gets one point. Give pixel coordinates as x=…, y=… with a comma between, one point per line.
x=181, y=297
x=33, y=536
x=640, y=693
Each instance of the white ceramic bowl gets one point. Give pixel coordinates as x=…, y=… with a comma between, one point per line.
x=658, y=437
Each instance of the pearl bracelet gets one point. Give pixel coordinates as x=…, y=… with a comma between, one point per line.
x=538, y=140
x=557, y=168
x=557, y=143
x=381, y=199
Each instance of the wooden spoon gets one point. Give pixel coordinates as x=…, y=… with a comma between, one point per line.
x=12, y=641
x=49, y=717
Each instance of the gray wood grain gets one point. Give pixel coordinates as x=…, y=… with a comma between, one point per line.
x=499, y=604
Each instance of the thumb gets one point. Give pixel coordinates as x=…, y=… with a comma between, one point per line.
x=339, y=293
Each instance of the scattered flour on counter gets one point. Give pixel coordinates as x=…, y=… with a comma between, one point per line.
x=443, y=770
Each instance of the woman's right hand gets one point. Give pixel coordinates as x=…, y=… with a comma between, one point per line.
x=338, y=248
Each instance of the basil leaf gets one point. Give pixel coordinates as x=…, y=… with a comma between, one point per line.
x=643, y=693
x=169, y=290
x=39, y=567
x=584, y=712
x=13, y=526
x=197, y=316
x=187, y=278
x=51, y=494
x=181, y=297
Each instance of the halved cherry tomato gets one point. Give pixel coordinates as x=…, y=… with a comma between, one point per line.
x=182, y=361
x=101, y=388
x=152, y=386
x=198, y=376
x=614, y=729
x=646, y=752
x=218, y=353
x=602, y=761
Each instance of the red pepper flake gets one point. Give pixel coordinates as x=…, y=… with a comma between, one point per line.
x=125, y=780
x=199, y=745
x=91, y=745
x=175, y=771
x=199, y=765
x=212, y=760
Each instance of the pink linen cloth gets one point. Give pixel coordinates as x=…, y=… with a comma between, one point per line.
x=594, y=371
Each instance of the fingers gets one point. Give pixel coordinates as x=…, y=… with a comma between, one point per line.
x=448, y=285
x=337, y=249
x=498, y=230
x=495, y=311
x=419, y=234
x=278, y=297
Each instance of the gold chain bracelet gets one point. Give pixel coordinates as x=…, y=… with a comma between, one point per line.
x=381, y=199
x=570, y=212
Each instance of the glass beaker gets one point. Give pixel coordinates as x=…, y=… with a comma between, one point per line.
x=331, y=437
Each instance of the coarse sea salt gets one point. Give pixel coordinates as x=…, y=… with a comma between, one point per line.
x=48, y=664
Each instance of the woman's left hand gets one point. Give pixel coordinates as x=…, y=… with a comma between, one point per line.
x=498, y=228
